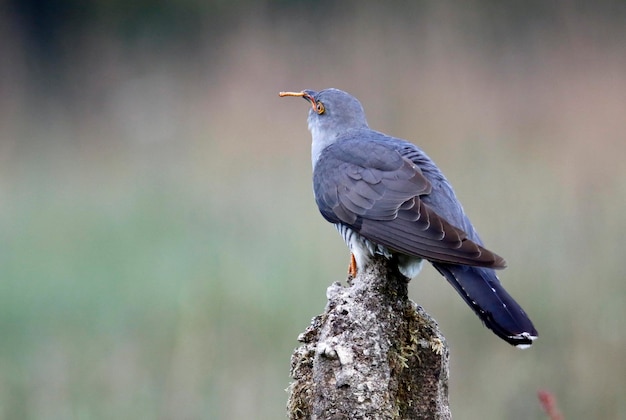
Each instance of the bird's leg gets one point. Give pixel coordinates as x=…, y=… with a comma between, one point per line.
x=352, y=268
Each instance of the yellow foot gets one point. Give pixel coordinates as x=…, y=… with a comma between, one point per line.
x=352, y=269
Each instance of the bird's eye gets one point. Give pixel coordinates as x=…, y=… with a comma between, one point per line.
x=319, y=108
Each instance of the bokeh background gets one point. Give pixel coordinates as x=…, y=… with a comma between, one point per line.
x=160, y=249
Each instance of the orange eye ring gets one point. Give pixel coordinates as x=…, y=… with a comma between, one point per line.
x=319, y=108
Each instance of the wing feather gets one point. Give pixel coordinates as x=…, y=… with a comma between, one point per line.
x=376, y=191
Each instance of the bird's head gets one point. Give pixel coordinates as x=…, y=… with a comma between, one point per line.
x=333, y=113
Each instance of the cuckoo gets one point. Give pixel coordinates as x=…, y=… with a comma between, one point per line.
x=386, y=196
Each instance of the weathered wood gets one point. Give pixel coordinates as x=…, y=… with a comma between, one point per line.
x=372, y=354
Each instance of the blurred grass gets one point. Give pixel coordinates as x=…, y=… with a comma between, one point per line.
x=161, y=249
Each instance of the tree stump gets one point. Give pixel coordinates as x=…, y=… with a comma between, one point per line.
x=372, y=354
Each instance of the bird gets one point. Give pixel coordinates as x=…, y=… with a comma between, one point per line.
x=386, y=197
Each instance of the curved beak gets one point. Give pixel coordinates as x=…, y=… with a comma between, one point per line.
x=306, y=94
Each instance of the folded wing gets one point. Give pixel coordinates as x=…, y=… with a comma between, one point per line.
x=377, y=192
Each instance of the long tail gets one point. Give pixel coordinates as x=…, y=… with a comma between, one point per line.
x=482, y=291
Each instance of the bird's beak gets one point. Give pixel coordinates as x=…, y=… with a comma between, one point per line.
x=304, y=94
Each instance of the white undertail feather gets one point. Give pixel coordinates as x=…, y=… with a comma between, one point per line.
x=363, y=250
x=525, y=335
x=409, y=266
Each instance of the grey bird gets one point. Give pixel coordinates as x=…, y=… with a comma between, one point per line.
x=386, y=196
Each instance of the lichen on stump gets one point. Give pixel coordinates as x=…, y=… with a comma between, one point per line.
x=373, y=353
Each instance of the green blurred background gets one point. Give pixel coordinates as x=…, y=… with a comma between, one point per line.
x=160, y=249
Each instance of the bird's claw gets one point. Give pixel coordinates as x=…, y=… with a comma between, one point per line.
x=352, y=268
